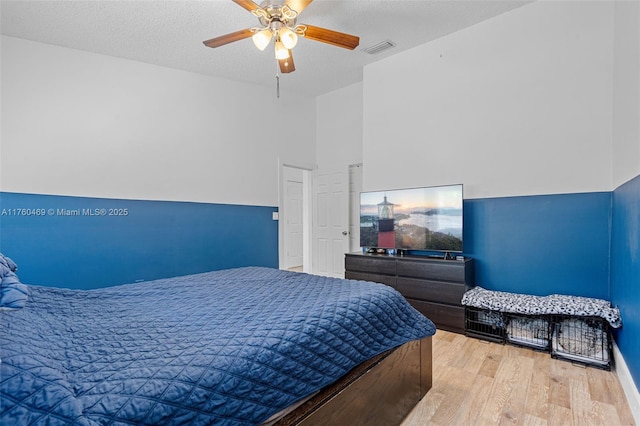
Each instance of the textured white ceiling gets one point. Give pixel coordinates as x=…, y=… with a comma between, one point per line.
x=170, y=34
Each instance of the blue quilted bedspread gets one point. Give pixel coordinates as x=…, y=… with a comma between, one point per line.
x=225, y=347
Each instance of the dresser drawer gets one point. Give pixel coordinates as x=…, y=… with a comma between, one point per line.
x=435, y=291
x=450, y=318
x=374, y=265
x=449, y=270
x=389, y=280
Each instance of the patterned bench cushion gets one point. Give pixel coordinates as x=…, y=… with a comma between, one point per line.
x=557, y=304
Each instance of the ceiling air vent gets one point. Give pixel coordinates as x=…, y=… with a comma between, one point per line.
x=379, y=47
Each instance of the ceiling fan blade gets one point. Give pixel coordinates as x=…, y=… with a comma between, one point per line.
x=287, y=65
x=332, y=37
x=228, y=38
x=247, y=4
x=298, y=5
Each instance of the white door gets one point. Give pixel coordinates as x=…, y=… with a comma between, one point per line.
x=330, y=222
x=293, y=217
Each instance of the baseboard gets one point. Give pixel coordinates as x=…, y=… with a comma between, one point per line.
x=629, y=387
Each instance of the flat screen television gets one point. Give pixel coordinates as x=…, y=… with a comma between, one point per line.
x=428, y=219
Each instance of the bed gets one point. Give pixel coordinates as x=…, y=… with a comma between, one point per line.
x=241, y=346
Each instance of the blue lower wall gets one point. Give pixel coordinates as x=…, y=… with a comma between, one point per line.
x=74, y=245
x=541, y=244
x=537, y=244
x=625, y=271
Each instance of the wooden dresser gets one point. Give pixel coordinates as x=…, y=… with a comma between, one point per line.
x=433, y=286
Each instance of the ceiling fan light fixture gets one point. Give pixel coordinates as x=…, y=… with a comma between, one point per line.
x=288, y=38
x=281, y=51
x=262, y=38
x=278, y=23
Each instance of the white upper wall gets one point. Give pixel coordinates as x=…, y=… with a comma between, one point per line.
x=520, y=104
x=77, y=123
x=516, y=105
x=626, y=92
x=339, y=127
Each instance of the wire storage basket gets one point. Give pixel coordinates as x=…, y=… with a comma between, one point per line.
x=484, y=324
x=585, y=340
x=532, y=331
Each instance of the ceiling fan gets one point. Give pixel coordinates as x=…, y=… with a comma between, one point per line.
x=278, y=22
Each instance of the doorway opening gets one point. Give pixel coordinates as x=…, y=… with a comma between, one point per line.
x=294, y=218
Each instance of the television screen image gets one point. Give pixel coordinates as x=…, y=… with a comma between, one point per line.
x=428, y=218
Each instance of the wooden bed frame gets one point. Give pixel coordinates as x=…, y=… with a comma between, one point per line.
x=381, y=391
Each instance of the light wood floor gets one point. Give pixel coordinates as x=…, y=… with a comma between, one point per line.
x=481, y=383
